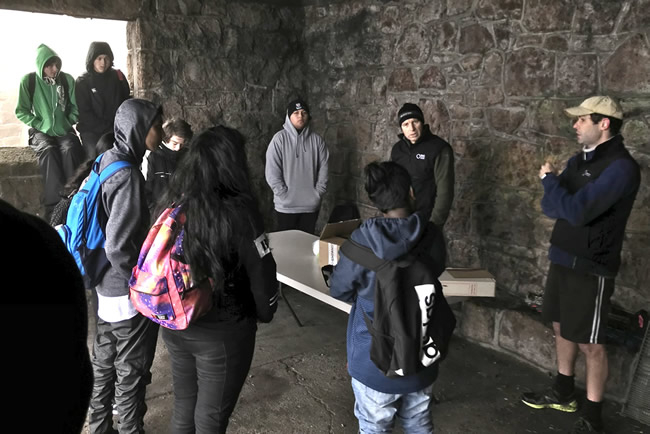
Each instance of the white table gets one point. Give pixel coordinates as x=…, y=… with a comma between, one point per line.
x=297, y=267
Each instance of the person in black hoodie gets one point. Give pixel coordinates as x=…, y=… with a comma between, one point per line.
x=162, y=162
x=430, y=162
x=100, y=91
x=225, y=241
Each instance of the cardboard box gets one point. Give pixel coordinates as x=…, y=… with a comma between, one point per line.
x=331, y=238
x=468, y=282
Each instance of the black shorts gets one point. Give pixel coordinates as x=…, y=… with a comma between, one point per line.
x=579, y=302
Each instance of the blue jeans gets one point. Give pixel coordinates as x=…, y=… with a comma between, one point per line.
x=376, y=411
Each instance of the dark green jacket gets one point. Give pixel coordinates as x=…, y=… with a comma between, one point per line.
x=52, y=111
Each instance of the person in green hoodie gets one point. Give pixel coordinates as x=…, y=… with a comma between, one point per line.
x=50, y=110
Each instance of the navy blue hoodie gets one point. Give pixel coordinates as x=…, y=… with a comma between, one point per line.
x=389, y=238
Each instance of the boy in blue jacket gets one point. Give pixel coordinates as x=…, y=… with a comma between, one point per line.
x=378, y=398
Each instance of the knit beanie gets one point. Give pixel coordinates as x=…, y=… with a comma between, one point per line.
x=297, y=104
x=409, y=111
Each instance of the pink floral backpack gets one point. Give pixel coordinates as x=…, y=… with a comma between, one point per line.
x=161, y=286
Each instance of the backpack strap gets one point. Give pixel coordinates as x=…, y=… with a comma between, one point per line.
x=111, y=169
x=362, y=255
x=61, y=79
x=120, y=75
x=31, y=85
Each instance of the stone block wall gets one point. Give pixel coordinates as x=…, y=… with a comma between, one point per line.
x=20, y=179
x=220, y=62
x=521, y=333
x=492, y=77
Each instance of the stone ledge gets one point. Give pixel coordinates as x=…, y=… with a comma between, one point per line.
x=20, y=179
x=18, y=161
x=509, y=326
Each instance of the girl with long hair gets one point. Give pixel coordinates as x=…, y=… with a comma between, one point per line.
x=225, y=241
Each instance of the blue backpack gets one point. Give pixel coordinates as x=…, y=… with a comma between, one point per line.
x=82, y=232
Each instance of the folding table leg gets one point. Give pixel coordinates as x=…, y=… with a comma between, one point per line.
x=289, y=305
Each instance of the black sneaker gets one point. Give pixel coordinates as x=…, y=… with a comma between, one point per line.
x=549, y=398
x=582, y=425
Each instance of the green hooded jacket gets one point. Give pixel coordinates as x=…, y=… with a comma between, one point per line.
x=48, y=112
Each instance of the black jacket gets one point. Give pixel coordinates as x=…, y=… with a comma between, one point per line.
x=161, y=165
x=250, y=291
x=99, y=96
x=430, y=162
x=596, y=243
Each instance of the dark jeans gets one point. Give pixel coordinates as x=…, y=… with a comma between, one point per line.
x=209, y=370
x=305, y=222
x=58, y=158
x=122, y=356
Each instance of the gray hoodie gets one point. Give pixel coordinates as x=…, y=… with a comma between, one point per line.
x=123, y=199
x=296, y=169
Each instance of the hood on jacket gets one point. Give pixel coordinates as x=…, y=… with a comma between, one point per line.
x=390, y=238
x=133, y=121
x=292, y=130
x=95, y=50
x=43, y=54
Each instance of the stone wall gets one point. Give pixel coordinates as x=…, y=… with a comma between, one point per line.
x=221, y=62
x=491, y=75
x=510, y=328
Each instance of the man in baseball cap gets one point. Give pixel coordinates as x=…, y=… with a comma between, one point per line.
x=591, y=201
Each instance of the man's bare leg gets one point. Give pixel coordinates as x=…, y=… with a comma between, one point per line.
x=567, y=352
x=597, y=370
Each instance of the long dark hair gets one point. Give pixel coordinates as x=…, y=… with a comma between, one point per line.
x=211, y=183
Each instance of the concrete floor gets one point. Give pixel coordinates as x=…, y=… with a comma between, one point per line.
x=298, y=383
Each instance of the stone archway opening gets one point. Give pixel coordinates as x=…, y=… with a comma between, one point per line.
x=68, y=36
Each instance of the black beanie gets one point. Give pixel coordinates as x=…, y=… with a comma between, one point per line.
x=297, y=104
x=409, y=111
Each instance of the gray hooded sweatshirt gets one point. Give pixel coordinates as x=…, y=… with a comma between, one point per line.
x=123, y=199
x=296, y=169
